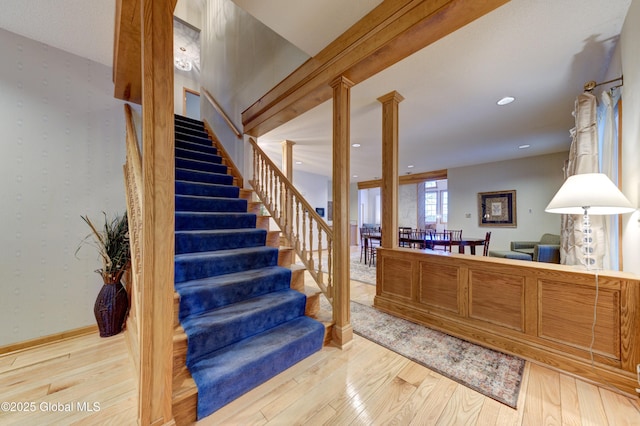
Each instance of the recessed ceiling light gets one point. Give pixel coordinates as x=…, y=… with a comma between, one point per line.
x=354, y=176
x=355, y=145
x=525, y=146
x=506, y=100
x=298, y=162
x=410, y=166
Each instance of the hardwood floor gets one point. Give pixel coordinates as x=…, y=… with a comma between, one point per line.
x=82, y=380
x=363, y=385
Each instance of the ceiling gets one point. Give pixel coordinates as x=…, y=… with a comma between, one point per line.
x=539, y=51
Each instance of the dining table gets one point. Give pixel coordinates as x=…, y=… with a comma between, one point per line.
x=428, y=243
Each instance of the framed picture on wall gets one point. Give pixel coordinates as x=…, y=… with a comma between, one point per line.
x=320, y=211
x=497, y=208
x=329, y=211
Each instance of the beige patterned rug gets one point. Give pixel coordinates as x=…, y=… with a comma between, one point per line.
x=491, y=373
x=361, y=272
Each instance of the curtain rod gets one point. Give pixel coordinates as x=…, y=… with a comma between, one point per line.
x=590, y=85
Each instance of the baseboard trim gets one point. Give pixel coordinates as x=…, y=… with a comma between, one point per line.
x=90, y=329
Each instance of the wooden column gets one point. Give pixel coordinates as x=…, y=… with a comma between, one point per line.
x=389, y=190
x=287, y=159
x=156, y=340
x=342, y=331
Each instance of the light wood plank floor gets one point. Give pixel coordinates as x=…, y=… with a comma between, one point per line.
x=363, y=385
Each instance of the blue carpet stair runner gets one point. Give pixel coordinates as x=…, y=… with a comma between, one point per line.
x=243, y=323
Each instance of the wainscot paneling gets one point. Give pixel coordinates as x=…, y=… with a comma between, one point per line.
x=539, y=311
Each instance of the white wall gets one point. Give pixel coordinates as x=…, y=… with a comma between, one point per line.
x=535, y=179
x=182, y=79
x=241, y=59
x=631, y=136
x=62, y=155
x=313, y=188
x=408, y=206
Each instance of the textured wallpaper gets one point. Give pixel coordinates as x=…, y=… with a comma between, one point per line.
x=62, y=139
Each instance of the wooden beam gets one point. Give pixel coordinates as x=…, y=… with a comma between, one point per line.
x=389, y=33
x=156, y=340
x=127, y=75
x=406, y=179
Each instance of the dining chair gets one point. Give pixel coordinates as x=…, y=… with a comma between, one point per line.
x=366, y=243
x=441, y=239
x=456, y=234
x=487, y=237
x=404, y=232
x=363, y=248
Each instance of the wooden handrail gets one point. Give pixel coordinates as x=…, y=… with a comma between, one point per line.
x=218, y=108
x=235, y=172
x=133, y=187
x=301, y=225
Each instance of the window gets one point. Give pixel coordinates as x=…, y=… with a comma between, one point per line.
x=430, y=206
x=444, y=205
x=436, y=202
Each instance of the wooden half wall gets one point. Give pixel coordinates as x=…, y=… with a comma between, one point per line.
x=541, y=312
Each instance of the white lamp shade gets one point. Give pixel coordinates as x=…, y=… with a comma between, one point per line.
x=592, y=191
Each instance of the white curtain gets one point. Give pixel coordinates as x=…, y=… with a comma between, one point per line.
x=608, y=147
x=583, y=158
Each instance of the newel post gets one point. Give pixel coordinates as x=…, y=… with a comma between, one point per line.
x=342, y=331
x=287, y=170
x=156, y=334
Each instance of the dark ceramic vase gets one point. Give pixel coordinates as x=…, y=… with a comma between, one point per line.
x=112, y=305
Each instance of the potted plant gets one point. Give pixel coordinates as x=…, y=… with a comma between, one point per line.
x=112, y=243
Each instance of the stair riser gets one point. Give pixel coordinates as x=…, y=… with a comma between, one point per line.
x=193, y=146
x=262, y=222
x=188, y=203
x=297, y=280
x=191, y=243
x=210, y=265
x=202, y=177
x=191, y=131
x=246, y=194
x=312, y=306
x=207, y=296
x=239, y=321
x=254, y=207
x=206, y=190
x=205, y=221
x=201, y=166
x=273, y=239
x=189, y=122
x=198, y=155
x=285, y=257
x=193, y=138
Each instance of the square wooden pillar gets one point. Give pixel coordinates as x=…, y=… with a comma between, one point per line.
x=342, y=330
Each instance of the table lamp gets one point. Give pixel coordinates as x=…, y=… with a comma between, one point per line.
x=589, y=194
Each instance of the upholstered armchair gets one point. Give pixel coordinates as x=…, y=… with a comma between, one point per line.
x=546, y=250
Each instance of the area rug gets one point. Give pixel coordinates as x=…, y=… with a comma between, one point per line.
x=361, y=272
x=489, y=372
x=358, y=270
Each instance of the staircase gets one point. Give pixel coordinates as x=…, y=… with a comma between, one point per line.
x=238, y=320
